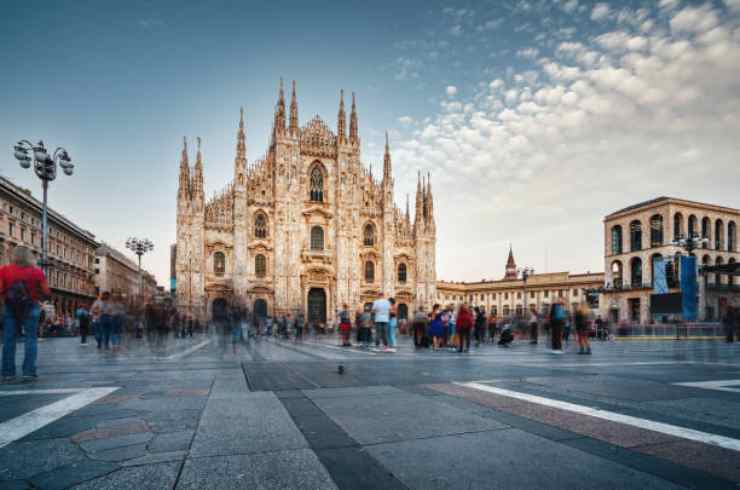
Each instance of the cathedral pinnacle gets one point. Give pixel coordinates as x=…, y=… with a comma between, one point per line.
x=341, y=120
x=353, y=138
x=293, y=127
x=183, y=190
x=197, y=182
x=280, y=111
x=240, y=162
x=387, y=171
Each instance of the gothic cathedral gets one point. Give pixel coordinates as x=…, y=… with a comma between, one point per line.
x=307, y=228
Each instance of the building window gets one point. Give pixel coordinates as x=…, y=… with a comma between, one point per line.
x=547, y=294
x=316, y=193
x=23, y=234
x=719, y=235
x=317, y=238
x=506, y=295
x=368, y=235
x=706, y=228
x=11, y=229
x=518, y=295
x=531, y=295
x=718, y=276
x=575, y=292
x=656, y=230
x=402, y=273
x=636, y=272
x=617, y=274
x=260, y=265
x=635, y=236
x=369, y=271
x=677, y=226
x=219, y=264
x=260, y=226
x=692, y=225
x=616, y=239
x=731, y=236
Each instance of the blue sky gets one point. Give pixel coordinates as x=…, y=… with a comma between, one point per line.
x=535, y=118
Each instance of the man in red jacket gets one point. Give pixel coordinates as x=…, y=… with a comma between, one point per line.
x=463, y=326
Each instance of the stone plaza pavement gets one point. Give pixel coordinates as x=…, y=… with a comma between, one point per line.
x=193, y=414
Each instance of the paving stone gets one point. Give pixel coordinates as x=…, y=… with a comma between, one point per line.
x=22, y=460
x=16, y=485
x=268, y=471
x=176, y=421
x=157, y=458
x=98, y=445
x=64, y=427
x=112, y=430
x=171, y=441
x=145, y=477
x=373, y=419
x=724, y=463
x=352, y=392
x=499, y=459
x=256, y=424
x=67, y=476
x=119, y=454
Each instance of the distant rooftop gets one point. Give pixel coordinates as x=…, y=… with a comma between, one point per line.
x=667, y=199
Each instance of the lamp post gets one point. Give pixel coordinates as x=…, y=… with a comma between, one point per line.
x=140, y=247
x=45, y=167
x=525, y=272
x=690, y=243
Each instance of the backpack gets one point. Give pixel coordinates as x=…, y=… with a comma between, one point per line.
x=19, y=300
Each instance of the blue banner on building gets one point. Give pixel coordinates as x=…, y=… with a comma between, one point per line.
x=660, y=282
x=689, y=288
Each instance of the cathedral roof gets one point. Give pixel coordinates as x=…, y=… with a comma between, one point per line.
x=317, y=139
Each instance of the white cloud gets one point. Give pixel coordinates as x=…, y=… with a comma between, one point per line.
x=530, y=53
x=570, y=6
x=733, y=5
x=668, y=4
x=623, y=116
x=451, y=90
x=406, y=120
x=600, y=12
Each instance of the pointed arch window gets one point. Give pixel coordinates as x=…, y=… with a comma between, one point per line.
x=260, y=226
x=260, y=265
x=317, y=238
x=316, y=184
x=369, y=271
x=219, y=264
x=402, y=274
x=368, y=235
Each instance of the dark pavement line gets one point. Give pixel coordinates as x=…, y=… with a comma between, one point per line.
x=630, y=457
x=192, y=438
x=348, y=464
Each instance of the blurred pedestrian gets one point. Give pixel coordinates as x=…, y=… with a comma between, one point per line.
x=381, y=309
x=534, y=326
x=83, y=319
x=22, y=286
x=580, y=319
x=421, y=321
x=345, y=326
x=365, y=327
x=300, y=321
x=729, y=322
x=392, y=325
x=480, y=326
x=557, y=320
x=492, y=321
x=102, y=309
x=464, y=325
x=437, y=326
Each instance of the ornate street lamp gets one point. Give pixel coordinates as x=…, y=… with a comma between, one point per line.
x=45, y=167
x=690, y=243
x=140, y=247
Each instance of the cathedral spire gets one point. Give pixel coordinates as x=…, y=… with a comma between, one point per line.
x=280, y=111
x=197, y=184
x=293, y=112
x=387, y=170
x=510, y=265
x=408, y=212
x=341, y=120
x=240, y=162
x=353, y=138
x=418, y=219
x=183, y=189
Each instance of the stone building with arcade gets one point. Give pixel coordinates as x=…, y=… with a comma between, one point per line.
x=308, y=227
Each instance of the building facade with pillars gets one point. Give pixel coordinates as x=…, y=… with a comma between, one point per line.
x=71, y=248
x=512, y=295
x=305, y=228
x=636, y=236
x=119, y=275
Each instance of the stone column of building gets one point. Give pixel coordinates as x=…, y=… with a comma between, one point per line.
x=389, y=228
x=241, y=253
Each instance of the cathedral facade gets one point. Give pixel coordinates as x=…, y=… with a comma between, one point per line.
x=306, y=228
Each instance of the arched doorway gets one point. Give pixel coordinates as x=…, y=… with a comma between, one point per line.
x=218, y=309
x=260, y=308
x=403, y=311
x=317, y=306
